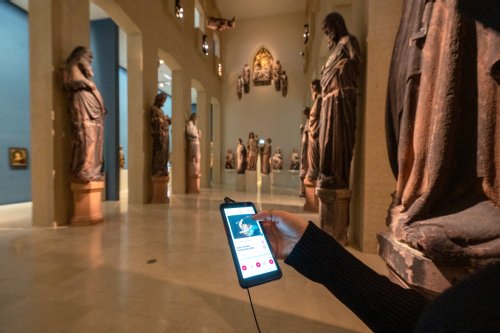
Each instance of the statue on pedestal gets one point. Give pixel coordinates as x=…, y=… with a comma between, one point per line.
x=339, y=81
x=266, y=156
x=241, y=157
x=253, y=151
x=159, y=131
x=313, y=130
x=193, y=136
x=277, y=160
x=295, y=160
x=87, y=117
x=229, y=159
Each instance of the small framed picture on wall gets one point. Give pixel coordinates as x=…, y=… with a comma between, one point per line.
x=18, y=157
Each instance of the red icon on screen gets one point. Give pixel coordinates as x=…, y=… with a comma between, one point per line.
x=257, y=264
x=271, y=261
x=244, y=267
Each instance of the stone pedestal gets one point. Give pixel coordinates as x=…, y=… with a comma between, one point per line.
x=251, y=181
x=193, y=185
x=410, y=268
x=334, y=212
x=160, y=189
x=312, y=202
x=265, y=186
x=87, y=199
x=240, y=182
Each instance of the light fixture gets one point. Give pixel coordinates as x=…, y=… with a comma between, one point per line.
x=204, y=45
x=179, y=11
x=161, y=62
x=219, y=69
x=306, y=33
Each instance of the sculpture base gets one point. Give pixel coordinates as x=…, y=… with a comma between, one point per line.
x=265, y=185
x=160, y=189
x=87, y=203
x=410, y=268
x=334, y=212
x=251, y=181
x=312, y=202
x=193, y=185
x=240, y=182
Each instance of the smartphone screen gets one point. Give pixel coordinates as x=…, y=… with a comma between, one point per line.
x=252, y=254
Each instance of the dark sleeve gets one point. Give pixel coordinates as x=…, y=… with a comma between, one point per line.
x=382, y=305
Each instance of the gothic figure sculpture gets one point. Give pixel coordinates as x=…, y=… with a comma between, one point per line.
x=220, y=24
x=294, y=160
x=284, y=84
x=87, y=117
x=339, y=80
x=246, y=79
x=313, y=130
x=266, y=156
x=241, y=157
x=253, y=151
x=229, y=159
x=240, y=83
x=277, y=75
x=159, y=130
x=303, y=151
x=277, y=160
x=443, y=131
x=193, y=136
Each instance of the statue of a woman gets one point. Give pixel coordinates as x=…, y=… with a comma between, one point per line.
x=159, y=130
x=241, y=157
x=193, y=136
x=266, y=156
x=87, y=117
x=253, y=151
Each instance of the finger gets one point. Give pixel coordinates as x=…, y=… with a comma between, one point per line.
x=262, y=216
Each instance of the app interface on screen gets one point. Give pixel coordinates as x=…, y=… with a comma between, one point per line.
x=251, y=247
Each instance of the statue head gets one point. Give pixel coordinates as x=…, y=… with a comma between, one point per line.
x=160, y=99
x=82, y=57
x=193, y=117
x=306, y=111
x=315, y=88
x=334, y=28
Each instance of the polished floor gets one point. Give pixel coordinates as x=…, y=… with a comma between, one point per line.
x=153, y=268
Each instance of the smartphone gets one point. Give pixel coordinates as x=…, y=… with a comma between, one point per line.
x=252, y=255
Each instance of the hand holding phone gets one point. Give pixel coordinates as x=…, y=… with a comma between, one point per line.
x=252, y=256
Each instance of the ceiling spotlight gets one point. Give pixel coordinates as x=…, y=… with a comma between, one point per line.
x=204, y=45
x=179, y=11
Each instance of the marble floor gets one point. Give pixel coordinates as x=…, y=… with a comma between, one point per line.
x=153, y=268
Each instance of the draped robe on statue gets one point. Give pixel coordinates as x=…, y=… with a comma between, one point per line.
x=313, y=131
x=443, y=132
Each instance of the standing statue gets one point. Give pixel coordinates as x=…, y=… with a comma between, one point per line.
x=443, y=131
x=193, y=136
x=246, y=78
x=339, y=80
x=253, y=151
x=313, y=133
x=277, y=160
x=277, y=75
x=87, y=117
x=239, y=86
x=266, y=156
x=159, y=130
x=229, y=159
x=284, y=84
x=241, y=157
x=294, y=160
x=303, y=151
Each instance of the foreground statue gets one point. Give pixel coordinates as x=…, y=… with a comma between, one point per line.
x=313, y=131
x=193, y=157
x=443, y=131
x=87, y=117
x=339, y=80
x=159, y=130
x=241, y=157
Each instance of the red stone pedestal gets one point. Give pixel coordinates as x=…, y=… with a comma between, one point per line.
x=87, y=199
x=312, y=202
x=334, y=212
x=160, y=189
x=193, y=185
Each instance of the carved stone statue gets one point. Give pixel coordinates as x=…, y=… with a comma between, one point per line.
x=246, y=78
x=229, y=159
x=240, y=83
x=277, y=75
x=294, y=160
x=313, y=130
x=87, y=117
x=220, y=24
x=284, y=84
x=193, y=136
x=241, y=157
x=443, y=131
x=266, y=156
x=303, y=151
x=253, y=151
x=277, y=160
x=159, y=130
x=339, y=80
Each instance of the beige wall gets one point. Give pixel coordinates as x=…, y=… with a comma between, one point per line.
x=264, y=110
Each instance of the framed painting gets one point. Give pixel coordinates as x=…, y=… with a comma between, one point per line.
x=18, y=157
